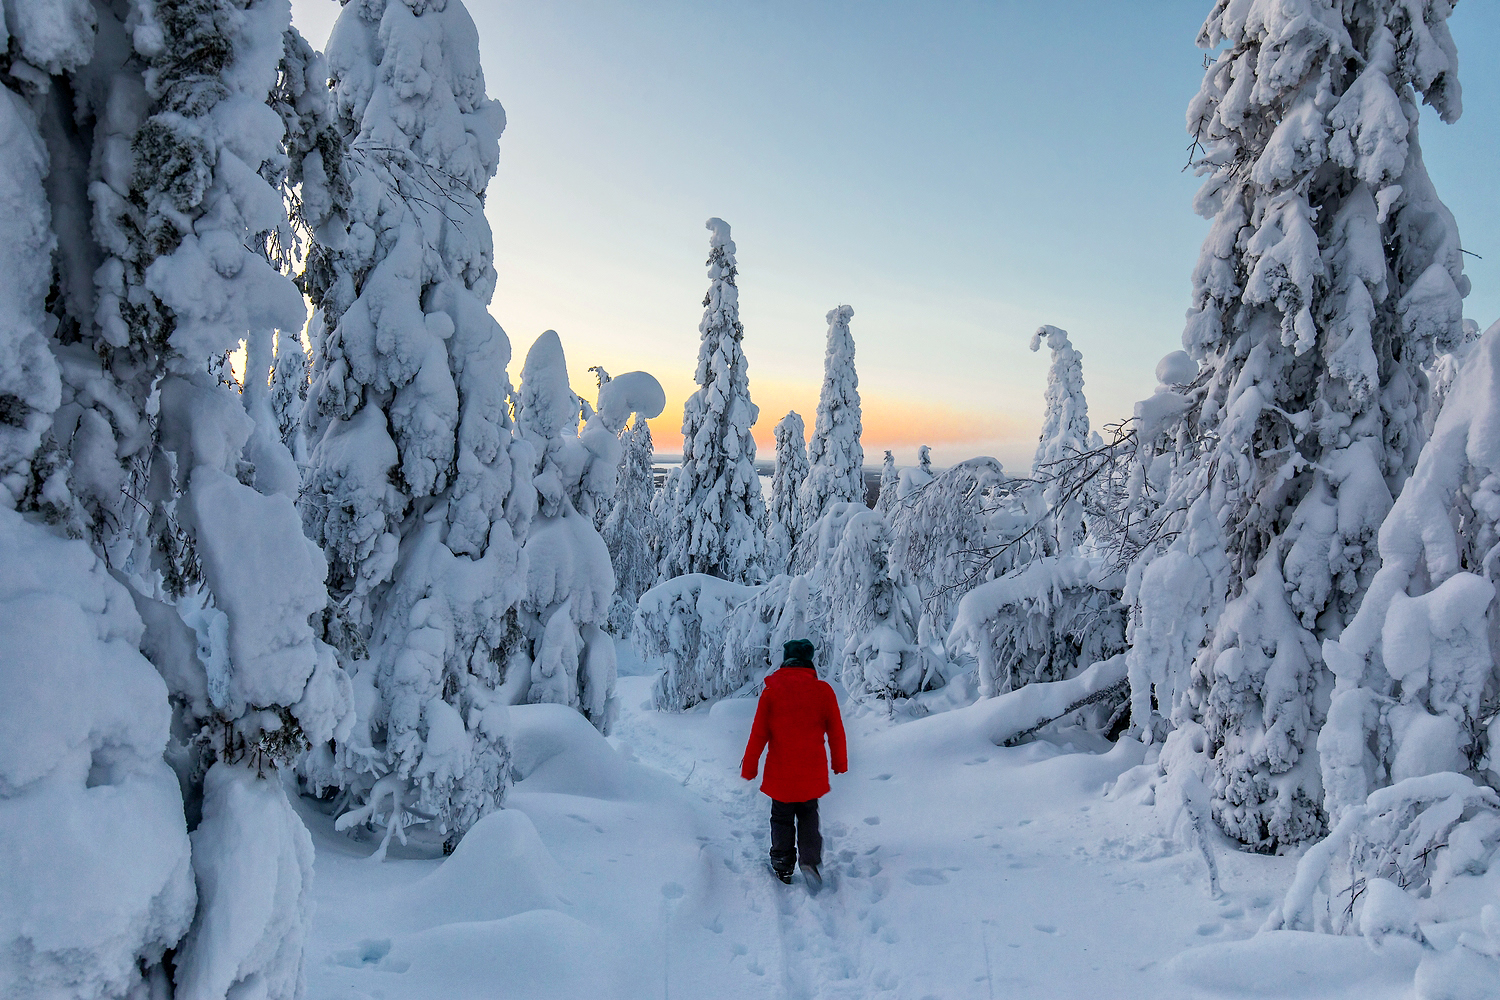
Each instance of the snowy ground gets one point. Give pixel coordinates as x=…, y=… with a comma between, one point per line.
x=634, y=868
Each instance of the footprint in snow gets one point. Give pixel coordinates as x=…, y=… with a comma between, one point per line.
x=881, y=777
x=370, y=953
x=672, y=890
x=873, y=820
x=926, y=876
x=1045, y=928
x=1204, y=930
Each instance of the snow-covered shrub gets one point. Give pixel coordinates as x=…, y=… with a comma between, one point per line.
x=630, y=527
x=417, y=488
x=1041, y=623
x=781, y=610
x=682, y=623
x=1416, y=855
x=1442, y=373
x=716, y=497
x=873, y=611
x=836, y=459
x=97, y=881
x=955, y=531
x=791, y=472
x=1331, y=274
x=912, y=479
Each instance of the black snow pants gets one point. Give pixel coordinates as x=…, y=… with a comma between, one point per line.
x=794, y=834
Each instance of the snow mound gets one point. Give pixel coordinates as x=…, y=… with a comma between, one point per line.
x=500, y=869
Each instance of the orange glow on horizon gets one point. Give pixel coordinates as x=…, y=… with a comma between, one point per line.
x=888, y=422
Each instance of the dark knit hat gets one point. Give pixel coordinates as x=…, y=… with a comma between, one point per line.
x=797, y=651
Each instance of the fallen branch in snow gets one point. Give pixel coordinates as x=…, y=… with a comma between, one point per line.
x=1015, y=714
x=1118, y=690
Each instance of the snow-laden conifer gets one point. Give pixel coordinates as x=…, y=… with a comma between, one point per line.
x=570, y=583
x=836, y=459
x=417, y=488
x=791, y=472
x=1415, y=692
x=629, y=529
x=717, y=500
x=1065, y=436
x=1330, y=275
x=885, y=500
x=166, y=152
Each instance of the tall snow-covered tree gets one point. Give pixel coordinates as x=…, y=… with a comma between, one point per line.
x=717, y=499
x=418, y=489
x=1330, y=275
x=890, y=480
x=1065, y=435
x=570, y=583
x=165, y=149
x=836, y=460
x=630, y=527
x=791, y=473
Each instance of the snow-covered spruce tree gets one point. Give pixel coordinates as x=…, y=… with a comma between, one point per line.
x=717, y=500
x=1330, y=275
x=875, y=610
x=1065, y=436
x=629, y=528
x=1413, y=711
x=158, y=131
x=570, y=583
x=417, y=488
x=791, y=473
x=890, y=480
x=836, y=460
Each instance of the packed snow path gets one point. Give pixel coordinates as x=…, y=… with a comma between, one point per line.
x=635, y=868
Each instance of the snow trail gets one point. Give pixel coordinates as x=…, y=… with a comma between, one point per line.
x=954, y=868
x=815, y=944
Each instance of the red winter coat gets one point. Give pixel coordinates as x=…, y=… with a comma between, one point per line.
x=795, y=712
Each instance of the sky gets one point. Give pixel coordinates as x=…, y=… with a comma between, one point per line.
x=958, y=172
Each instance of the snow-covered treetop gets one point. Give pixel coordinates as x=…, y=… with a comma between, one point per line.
x=633, y=392
x=719, y=238
x=547, y=403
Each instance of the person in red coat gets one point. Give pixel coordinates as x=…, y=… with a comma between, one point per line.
x=796, y=711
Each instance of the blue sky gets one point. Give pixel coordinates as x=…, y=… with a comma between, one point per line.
x=958, y=172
